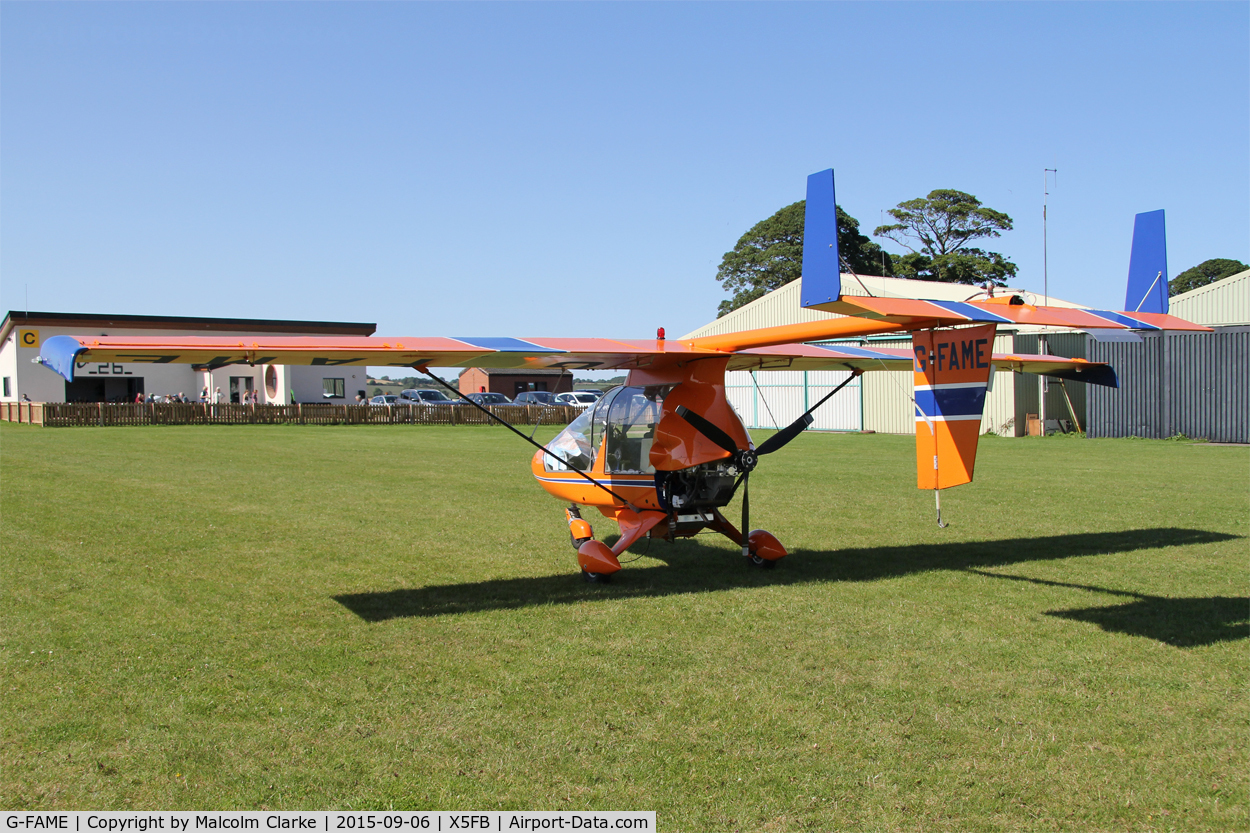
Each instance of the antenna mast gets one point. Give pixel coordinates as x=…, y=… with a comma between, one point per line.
x=1042, y=387
x=1045, y=194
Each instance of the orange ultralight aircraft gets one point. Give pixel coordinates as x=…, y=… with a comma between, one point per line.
x=663, y=454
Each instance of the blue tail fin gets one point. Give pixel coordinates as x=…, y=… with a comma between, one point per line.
x=822, y=271
x=1148, y=265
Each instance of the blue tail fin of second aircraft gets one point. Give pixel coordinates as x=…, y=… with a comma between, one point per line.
x=822, y=271
x=1148, y=265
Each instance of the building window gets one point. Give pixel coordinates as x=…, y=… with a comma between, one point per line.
x=8, y=390
x=333, y=388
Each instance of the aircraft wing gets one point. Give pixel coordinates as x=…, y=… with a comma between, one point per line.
x=63, y=353
x=1005, y=310
x=847, y=357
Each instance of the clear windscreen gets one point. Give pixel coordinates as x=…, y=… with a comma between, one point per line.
x=571, y=447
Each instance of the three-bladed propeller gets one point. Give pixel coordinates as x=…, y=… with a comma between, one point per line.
x=744, y=459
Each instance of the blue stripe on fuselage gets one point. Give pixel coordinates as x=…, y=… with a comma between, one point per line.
x=950, y=402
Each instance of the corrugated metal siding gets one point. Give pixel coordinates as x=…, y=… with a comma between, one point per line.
x=844, y=412
x=1133, y=409
x=777, y=397
x=1225, y=302
x=781, y=306
x=1000, y=403
x=888, y=405
x=1068, y=345
x=1197, y=384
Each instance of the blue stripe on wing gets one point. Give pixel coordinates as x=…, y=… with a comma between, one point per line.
x=506, y=345
x=1121, y=318
x=969, y=311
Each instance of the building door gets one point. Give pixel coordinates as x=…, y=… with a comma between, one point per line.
x=239, y=384
x=104, y=389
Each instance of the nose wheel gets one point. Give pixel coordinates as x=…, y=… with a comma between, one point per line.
x=764, y=550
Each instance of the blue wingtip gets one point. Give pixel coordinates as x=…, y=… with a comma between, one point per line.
x=59, y=353
x=1148, y=265
x=822, y=270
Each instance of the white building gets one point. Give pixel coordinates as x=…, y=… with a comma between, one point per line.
x=1225, y=303
x=22, y=334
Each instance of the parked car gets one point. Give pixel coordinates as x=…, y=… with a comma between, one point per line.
x=424, y=396
x=535, y=397
x=488, y=398
x=577, y=398
x=595, y=392
x=384, y=399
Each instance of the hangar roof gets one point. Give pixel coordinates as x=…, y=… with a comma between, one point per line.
x=93, y=321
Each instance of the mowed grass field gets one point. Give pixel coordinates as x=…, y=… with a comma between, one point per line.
x=356, y=617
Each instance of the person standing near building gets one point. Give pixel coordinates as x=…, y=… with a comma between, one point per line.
x=217, y=396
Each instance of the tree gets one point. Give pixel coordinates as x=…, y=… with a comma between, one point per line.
x=1209, y=271
x=937, y=229
x=770, y=255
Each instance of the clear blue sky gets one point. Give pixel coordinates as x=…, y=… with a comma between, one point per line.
x=533, y=169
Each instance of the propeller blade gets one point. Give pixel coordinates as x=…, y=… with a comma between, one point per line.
x=707, y=429
x=784, y=436
x=746, y=514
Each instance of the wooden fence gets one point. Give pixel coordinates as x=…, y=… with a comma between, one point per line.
x=66, y=414
x=31, y=412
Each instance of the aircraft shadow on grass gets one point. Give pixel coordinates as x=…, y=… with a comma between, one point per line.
x=1183, y=622
x=696, y=568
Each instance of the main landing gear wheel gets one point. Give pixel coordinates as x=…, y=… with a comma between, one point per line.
x=596, y=578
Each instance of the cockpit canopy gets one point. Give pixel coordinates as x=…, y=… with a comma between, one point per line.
x=627, y=417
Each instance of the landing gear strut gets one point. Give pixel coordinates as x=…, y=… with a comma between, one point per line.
x=579, y=530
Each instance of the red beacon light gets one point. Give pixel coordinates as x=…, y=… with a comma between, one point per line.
x=659, y=334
